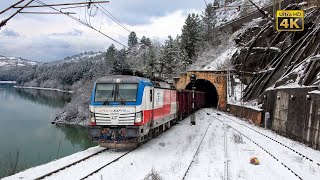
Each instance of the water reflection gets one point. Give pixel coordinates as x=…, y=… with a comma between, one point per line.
x=77, y=135
x=43, y=97
x=25, y=128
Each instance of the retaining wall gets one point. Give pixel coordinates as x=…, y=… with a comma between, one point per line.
x=253, y=115
x=293, y=114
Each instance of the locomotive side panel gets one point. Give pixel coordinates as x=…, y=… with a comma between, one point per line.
x=165, y=106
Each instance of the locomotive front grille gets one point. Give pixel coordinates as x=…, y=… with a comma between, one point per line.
x=115, y=119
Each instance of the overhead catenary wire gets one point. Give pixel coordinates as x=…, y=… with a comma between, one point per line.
x=64, y=4
x=107, y=13
x=11, y=6
x=4, y=22
x=81, y=22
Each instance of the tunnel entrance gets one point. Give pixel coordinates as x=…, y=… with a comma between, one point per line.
x=209, y=89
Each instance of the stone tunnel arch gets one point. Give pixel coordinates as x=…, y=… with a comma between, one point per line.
x=212, y=97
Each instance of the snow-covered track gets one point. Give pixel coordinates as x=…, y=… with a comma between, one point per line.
x=71, y=164
x=280, y=143
x=195, y=154
x=264, y=149
x=107, y=164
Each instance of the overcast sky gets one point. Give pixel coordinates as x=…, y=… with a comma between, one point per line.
x=53, y=37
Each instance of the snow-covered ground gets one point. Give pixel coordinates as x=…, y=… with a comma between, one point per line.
x=215, y=148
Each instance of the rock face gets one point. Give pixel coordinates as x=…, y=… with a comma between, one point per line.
x=282, y=71
x=271, y=58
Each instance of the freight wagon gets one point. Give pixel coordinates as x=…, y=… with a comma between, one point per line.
x=128, y=110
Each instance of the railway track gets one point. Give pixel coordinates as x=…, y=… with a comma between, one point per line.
x=273, y=151
x=71, y=164
x=261, y=147
x=280, y=143
x=93, y=157
x=82, y=165
x=195, y=154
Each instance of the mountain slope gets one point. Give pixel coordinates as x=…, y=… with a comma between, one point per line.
x=15, y=61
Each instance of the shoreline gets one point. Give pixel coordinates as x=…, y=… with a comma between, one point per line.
x=8, y=82
x=48, y=89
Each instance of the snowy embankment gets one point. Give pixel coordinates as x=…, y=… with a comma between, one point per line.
x=195, y=152
x=47, y=89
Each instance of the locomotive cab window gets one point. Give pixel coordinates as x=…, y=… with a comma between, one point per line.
x=127, y=92
x=105, y=92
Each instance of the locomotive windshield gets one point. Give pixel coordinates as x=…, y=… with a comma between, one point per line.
x=104, y=92
x=116, y=92
x=127, y=92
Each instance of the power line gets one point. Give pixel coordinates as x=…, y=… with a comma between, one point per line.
x=4, y=22
x=107, y=13
x=11, y=6
x=64, y=4
x=81, y=22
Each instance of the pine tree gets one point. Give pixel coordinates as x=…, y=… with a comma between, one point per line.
x=112, y=58
x=190, y=36
x=132, y=40
x=145, y=42
x=209, y=34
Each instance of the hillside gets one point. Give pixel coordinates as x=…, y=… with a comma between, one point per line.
x=15, y=61
x=79, y=58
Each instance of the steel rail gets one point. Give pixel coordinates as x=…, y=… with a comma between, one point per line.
x=198, y=148
x=274, y=157
x=71, y=164
x=291, y=149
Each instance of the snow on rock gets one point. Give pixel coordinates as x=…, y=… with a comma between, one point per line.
x=294, y=78
x=227, y=14
x=222, y=62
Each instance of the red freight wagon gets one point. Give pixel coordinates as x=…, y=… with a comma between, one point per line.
x=184, y=98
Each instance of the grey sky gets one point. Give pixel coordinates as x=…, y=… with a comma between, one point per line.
x=53, y=37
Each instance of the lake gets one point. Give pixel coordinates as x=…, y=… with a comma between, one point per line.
x=26, y=133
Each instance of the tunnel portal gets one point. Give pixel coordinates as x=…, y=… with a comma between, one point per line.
x=206, y=86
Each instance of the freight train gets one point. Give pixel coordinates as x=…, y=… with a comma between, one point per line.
x=125, y=111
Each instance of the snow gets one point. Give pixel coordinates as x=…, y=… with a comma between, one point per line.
x=222, y=61
x=227, y=14
x=14, y=61
x=170, y=154
x=8, y=82
x=315, y=92
x=3, y=63
x=40, y=88
x=235, y=98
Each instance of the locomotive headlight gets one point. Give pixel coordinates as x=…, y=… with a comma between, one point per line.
x=92, y=118
x=138, y=117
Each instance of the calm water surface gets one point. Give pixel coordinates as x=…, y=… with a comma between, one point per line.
x=26, y=133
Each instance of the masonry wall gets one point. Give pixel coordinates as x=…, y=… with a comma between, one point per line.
x=252, y=115
x=217, y=78
x=293, y=115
